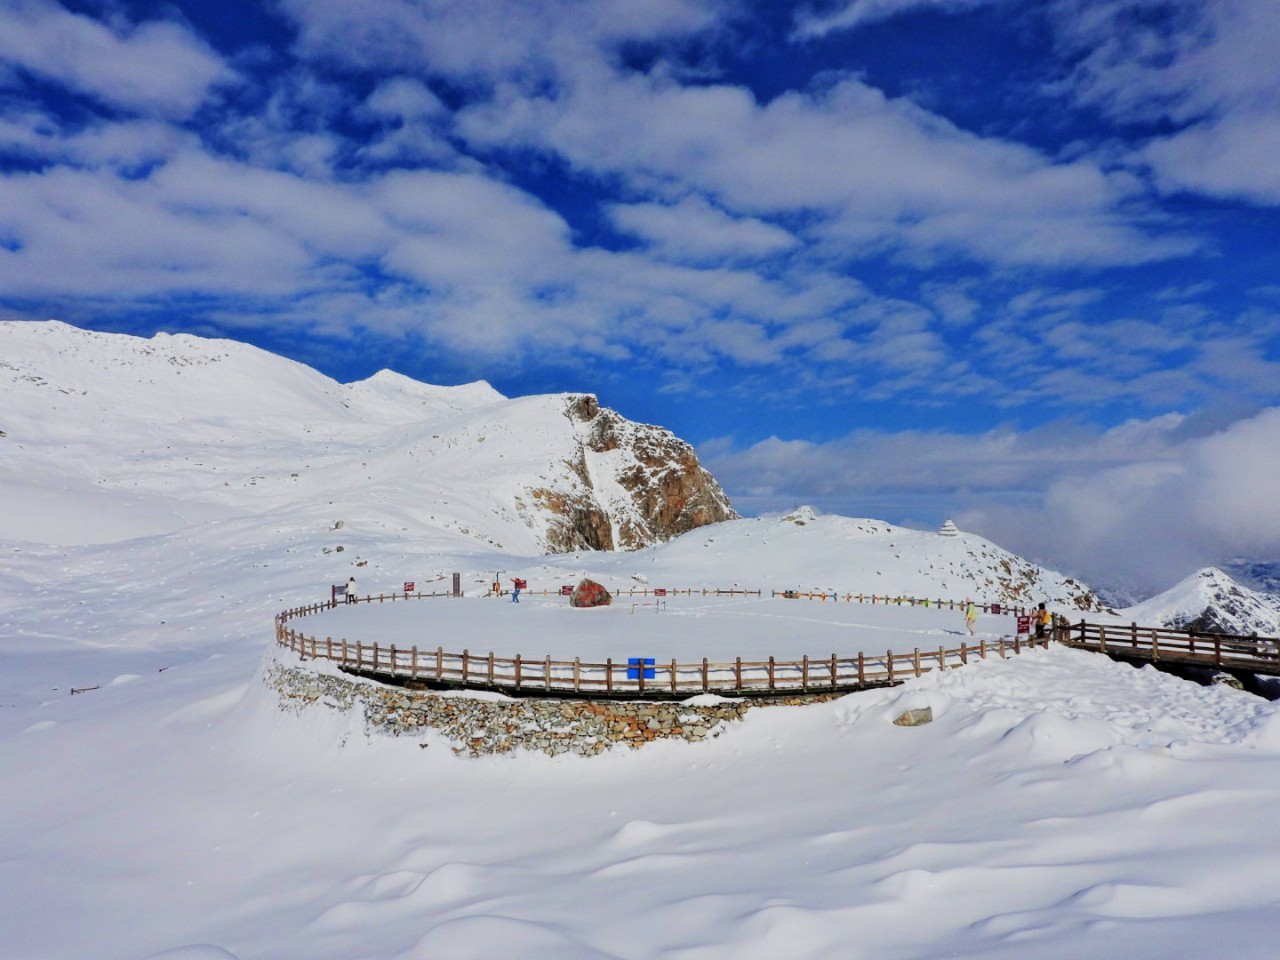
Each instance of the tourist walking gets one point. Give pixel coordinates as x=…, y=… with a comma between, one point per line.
x=970, y=616
x=516, y=586
x=350, y=592
x=1043, y=618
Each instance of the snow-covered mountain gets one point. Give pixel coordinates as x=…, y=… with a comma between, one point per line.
x=115, y=436
x=1209, y=601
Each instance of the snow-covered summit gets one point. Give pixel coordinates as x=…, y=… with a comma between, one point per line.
x=66, y=382
x=1210, y=601
x=394, y=398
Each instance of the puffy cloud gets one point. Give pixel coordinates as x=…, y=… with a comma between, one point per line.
x=156, y=68
x=869, y=173
x=1141, y=504
x=693, y=230
x=1209, y=69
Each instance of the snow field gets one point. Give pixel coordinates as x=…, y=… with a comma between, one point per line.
x=1059, y=804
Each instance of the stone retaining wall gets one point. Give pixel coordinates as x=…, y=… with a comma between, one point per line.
x=481, y=726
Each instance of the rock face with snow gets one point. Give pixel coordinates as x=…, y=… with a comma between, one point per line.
x=638, y=485
x=1209, y=601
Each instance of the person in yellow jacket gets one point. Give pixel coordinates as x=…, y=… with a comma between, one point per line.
x=970, y=616
x=1042, y=620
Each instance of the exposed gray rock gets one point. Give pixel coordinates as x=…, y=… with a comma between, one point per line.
x=914, y=718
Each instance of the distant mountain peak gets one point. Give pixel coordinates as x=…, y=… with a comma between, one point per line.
x=1209, y=601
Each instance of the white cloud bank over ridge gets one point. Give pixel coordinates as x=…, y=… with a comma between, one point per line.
x=1140, y=504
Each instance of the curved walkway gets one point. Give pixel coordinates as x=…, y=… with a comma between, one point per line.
x=618, y=679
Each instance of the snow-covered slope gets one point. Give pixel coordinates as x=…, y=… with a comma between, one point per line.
x=1210, y=601
x=234, y=431
x=806, y=550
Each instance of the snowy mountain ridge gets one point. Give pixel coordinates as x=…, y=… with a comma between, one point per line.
x=234, y=430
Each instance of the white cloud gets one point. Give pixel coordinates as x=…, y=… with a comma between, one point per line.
x=868, y=172
x=693, y=230
x=405, y=98
x=813, y=23
x=486, y=42
x=1209, y=68
x=156, y=67
x=1143, y=503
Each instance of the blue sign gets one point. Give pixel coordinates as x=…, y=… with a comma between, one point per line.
x=635, y=663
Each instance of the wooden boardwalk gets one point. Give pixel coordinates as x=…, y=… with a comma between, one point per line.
x=1222, y=651
x=438, y=668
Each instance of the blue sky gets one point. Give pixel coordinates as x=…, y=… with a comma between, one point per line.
x=1006, y=261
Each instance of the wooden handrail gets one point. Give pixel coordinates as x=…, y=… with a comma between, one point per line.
x=674, y=679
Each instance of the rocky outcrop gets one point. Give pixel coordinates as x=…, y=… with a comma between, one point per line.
x=638, y=485
x=475, y=727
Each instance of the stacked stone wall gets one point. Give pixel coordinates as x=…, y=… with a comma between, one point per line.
x=477, y=726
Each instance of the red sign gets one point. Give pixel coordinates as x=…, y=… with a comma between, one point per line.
x=566, y=590
x=660, y=592
x=1024, y=625
x=408, y=586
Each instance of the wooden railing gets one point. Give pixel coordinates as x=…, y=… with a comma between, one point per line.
x=1223, y=650
x=622, y=680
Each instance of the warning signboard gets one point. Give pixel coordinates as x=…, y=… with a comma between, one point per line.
x=1024, y=625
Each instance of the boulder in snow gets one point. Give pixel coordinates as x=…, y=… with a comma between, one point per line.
x=588, y=593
